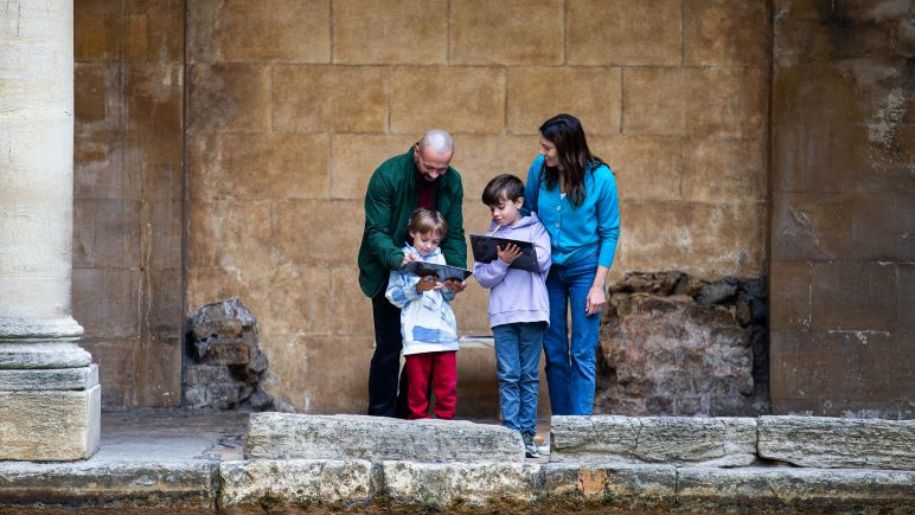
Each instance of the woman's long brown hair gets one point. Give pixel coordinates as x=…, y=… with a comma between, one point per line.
x=575, y=158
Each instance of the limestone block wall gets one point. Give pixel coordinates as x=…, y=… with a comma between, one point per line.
x=843, y=225
x=293, y=103
x=128, y=180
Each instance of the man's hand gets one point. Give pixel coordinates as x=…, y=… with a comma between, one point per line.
x=455, y=286
x=508, y=253
x=428, y=283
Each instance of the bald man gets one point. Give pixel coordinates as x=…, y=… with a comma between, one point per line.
x=422, y=177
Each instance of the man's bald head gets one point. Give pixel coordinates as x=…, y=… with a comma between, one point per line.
x=438, y=141
x=433, y=153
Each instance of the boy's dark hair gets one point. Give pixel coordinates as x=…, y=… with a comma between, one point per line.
x=505, y=186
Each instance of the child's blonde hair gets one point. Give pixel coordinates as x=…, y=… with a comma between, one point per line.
x=425, y=221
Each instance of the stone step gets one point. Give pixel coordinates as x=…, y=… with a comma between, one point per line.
x=725, y=442
x=282, y=486
x=825, y=442
x=291, y=436
x=121, y=486
x=359, y=485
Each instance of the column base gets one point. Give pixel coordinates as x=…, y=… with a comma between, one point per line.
x=50, y=401
x=56, y=425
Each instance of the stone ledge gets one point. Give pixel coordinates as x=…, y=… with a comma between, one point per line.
x=262, y=485
x=725, y=442
x=336, y=437
x=825, y=442
x=495, y=486
x=256, y=486
x=756, y=489
x=182, y=487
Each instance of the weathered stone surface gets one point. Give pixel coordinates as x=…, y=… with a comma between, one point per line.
x=281, y=435
x=724, y=442
x=757, y=489
x=672, y=344
x=506, y=32
x=824, y=442
x=842, y=187
x=416, y=93
x=501, y=487
x=49, y=425
x=284, y=484
x=184, y=487
x=49, y=379
x=43, y=355
x=224, y=353
x=278, y=30
x=617, y=485
x=592, y=93
x=357, y=25
x=323, y=98
x=225, y=333
x=635, y=32
x=29, y=329
x=99, y=299
x=692, y=101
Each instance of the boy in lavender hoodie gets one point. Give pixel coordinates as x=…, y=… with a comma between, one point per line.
x=518, y=305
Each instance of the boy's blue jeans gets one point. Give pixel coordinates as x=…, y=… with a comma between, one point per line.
x=517, y=367
x=571, y=364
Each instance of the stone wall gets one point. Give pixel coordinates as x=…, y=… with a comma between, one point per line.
x=674, y=345
x=843, y=226
x=292, y=104
x=128, y=180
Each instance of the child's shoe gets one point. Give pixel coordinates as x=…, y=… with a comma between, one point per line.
x=530, y=448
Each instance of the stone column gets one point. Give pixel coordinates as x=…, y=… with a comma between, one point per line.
x=49, y=392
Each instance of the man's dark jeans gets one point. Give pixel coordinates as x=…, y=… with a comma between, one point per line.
x=383, y=398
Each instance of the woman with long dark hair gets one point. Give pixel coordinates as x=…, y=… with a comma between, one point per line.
x=574, y=194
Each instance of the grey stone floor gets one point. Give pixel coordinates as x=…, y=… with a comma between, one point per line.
x=171, y=435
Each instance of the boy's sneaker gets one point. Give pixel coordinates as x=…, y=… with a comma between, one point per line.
x=530, y=448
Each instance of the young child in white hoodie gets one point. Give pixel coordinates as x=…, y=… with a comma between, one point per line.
x=519, y=309
x=427, y=323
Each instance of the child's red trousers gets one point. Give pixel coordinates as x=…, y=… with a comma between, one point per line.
x=439, y=369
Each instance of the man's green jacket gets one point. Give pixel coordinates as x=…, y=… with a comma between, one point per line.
x=389, y=202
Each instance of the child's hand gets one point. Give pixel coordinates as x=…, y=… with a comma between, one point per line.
x=428, y=283
x=508, y=253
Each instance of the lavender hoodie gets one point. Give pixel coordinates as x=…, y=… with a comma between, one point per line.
x=517, y=295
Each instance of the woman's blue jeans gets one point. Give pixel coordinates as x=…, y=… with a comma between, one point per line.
x=518, y=369
x=571, y=363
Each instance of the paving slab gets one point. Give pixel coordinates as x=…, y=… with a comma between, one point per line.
x=826, y=442
x=726, y=442
x=342, y=437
